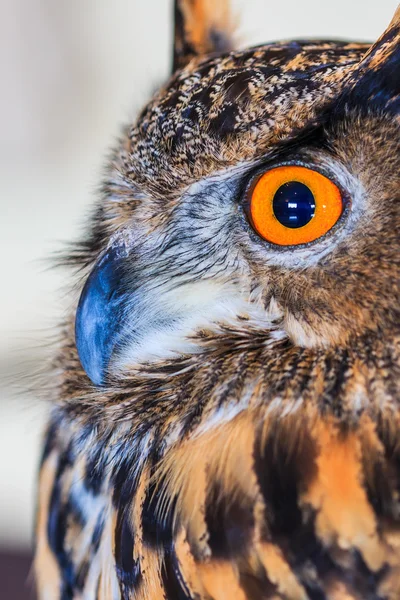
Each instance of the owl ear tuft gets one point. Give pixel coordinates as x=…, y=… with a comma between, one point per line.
x=386, y=45
x=375, y=81
x=395, y=22
x=201, y=27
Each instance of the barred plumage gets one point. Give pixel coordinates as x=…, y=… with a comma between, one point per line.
x=226, y=424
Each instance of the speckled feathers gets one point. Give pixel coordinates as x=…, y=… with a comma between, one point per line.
x=242, y=438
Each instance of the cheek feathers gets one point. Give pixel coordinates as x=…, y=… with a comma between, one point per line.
x=173, y=317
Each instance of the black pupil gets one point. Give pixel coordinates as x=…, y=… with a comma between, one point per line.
x=294, y=204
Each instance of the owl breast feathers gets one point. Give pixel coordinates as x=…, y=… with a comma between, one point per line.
x=225, y=420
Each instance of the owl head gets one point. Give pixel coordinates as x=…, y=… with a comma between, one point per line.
x=255, y=201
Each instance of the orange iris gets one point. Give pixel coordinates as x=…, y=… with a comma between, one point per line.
x=293, y=205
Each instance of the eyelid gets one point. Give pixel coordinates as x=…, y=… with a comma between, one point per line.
x=265, y=166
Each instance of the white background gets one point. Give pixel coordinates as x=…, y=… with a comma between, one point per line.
x=71, y=73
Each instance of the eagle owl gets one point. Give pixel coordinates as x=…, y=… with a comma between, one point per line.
x=225, y=420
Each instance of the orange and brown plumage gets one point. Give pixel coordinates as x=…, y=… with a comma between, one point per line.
x=225, y=420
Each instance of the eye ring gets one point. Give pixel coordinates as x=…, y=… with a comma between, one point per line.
x=288, y=215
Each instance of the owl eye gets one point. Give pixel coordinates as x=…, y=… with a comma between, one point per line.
x=292, y=205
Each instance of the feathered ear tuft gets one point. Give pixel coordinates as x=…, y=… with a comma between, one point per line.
x=396, y=19
x=375, y=81
x=201, y=27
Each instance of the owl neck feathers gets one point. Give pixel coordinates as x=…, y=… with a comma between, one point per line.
x=234, y=371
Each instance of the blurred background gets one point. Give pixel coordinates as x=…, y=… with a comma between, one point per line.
x=71, y=73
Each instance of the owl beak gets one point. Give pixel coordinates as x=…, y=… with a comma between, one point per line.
x=100, y=313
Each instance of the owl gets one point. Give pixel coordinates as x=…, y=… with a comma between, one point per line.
x=225, y=418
